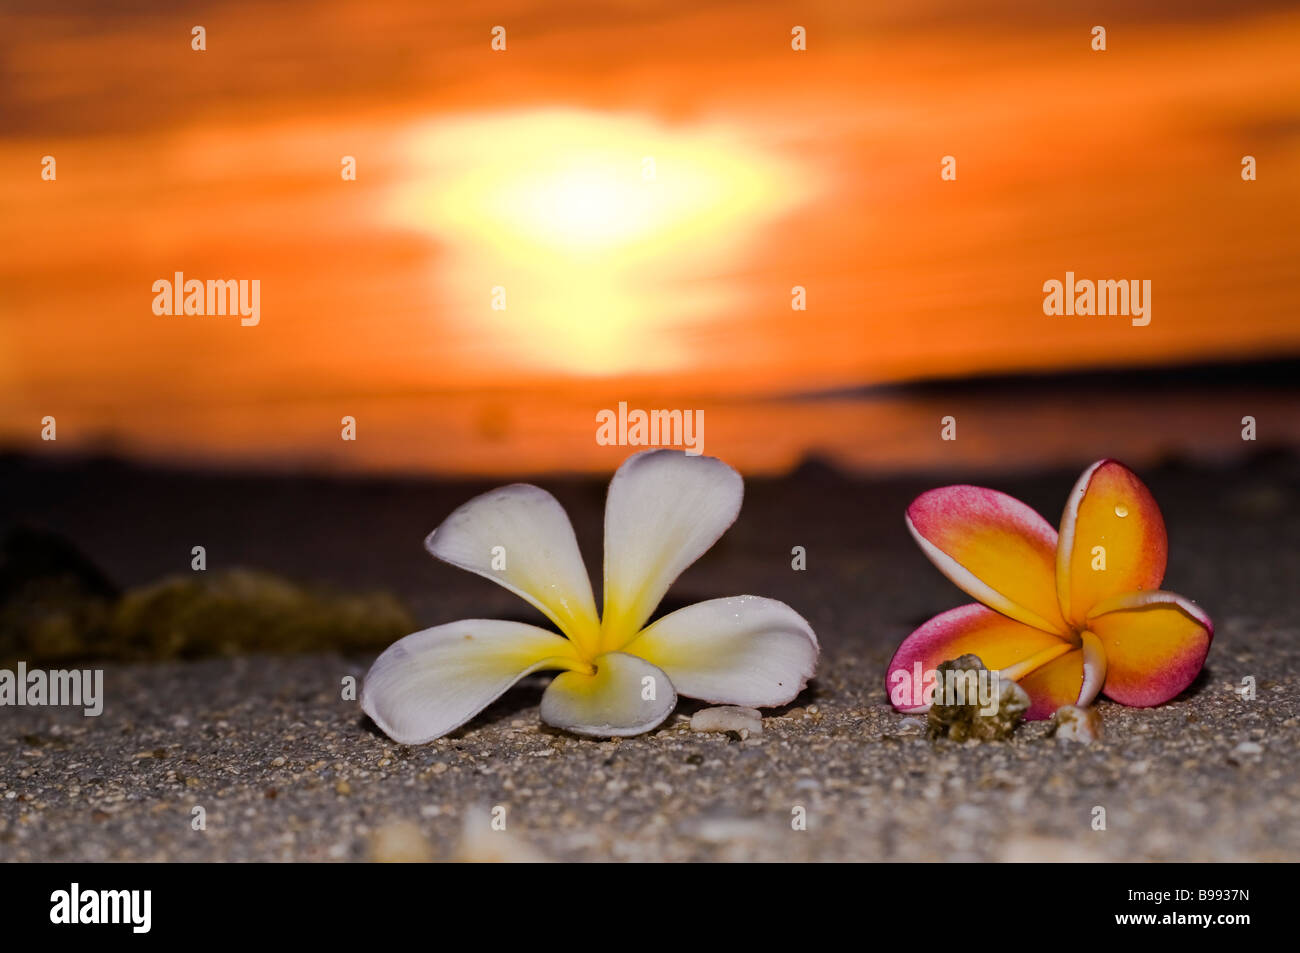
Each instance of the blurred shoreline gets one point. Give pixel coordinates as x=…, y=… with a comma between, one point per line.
x=1234, y=539
x=1001, y=424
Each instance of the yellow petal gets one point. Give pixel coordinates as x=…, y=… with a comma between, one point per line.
x=1155, y=644
x=432, y=682
x=625, y=696
x=520, y=537
x=1112, y=540
x=1057, y=683
x=665, y=509
x=745, y=650
x=1072, y=679
x=994, y=548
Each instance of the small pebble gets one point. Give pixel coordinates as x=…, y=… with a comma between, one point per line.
x=399, y=842
x=1072, y=723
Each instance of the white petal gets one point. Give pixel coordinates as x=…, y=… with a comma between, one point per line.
x=626, y=696
x=664, y=510
x=432, y=682
x=525, y=527
x=745, y=650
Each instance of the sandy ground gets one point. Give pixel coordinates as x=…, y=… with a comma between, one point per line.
x=285, y=769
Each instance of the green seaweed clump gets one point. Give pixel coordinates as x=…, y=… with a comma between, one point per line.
x=237, y=611
x=56, y=605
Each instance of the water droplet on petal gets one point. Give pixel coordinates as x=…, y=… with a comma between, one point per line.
x=1121, y=511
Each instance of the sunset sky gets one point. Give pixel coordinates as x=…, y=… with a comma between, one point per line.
x=526, y=170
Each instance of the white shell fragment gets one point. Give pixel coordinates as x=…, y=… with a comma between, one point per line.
x=747, y=721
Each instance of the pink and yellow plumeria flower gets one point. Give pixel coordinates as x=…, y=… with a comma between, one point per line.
x=1066, y=617
x=618, y=676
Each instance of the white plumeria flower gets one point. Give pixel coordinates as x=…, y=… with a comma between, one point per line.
x=618, y=677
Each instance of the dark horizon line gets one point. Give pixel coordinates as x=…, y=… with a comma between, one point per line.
x=1280, y=373
x=811, y=464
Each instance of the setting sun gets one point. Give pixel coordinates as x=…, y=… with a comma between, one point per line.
x=600, y=230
